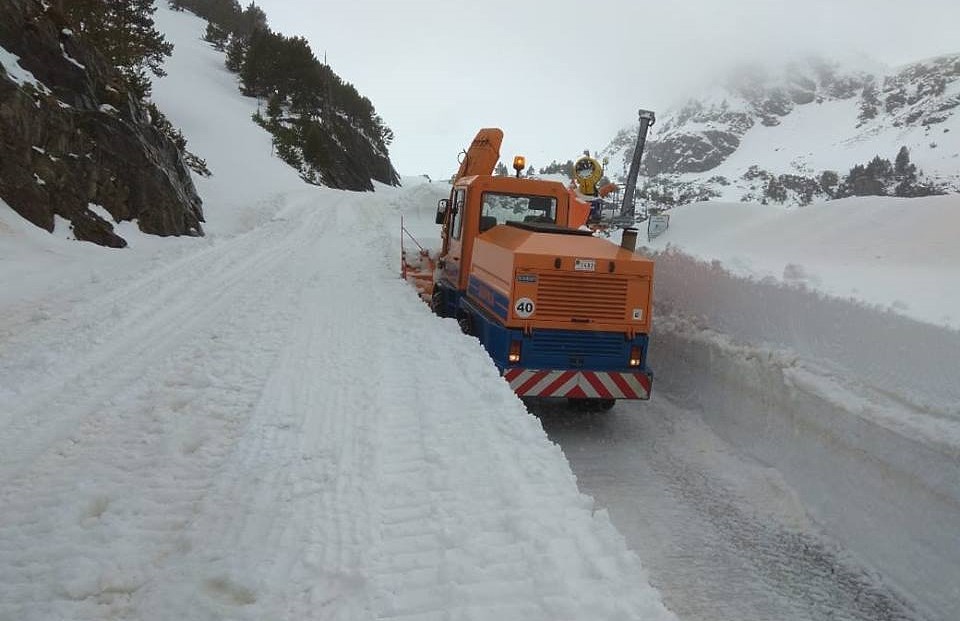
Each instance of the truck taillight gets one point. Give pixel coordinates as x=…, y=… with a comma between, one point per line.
x=514, y=355
x=635, y=356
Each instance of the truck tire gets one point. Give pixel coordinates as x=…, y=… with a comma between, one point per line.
x=436, y=301
x=466, y=324
x=591, y=405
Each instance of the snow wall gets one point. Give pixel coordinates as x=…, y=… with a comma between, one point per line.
x=857, y=407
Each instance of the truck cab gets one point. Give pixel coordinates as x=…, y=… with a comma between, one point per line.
x=562, y=313
x=480, y=202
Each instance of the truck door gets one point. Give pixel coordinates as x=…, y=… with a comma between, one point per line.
x=453, y=244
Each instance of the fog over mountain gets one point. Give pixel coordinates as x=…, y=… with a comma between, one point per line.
x=791, y=133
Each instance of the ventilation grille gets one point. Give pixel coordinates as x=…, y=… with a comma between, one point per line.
x=565, y=297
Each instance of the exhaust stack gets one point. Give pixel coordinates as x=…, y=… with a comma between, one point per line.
x=629, y=239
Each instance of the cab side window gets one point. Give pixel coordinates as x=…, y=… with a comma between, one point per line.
x=458, y=202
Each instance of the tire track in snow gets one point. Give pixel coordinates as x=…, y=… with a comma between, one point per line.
x=295, y=480
x=151, y=318
x=731, y=539
x=142, y=454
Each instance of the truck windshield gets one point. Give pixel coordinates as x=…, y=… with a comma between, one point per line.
x=517, y=208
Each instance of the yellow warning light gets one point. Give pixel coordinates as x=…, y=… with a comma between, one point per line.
x=519, y=163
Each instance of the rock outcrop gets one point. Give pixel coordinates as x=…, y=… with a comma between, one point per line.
x=355, y=161
x=70, y=137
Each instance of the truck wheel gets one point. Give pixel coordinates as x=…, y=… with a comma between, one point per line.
x=436, y=301
x=466, y=324
x=591, y=405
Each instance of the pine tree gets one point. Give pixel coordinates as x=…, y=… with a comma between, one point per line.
x=776, y=191
x=274, y=107
x=870, y=180
x=236, y=51
x=123, y=31
x=880, y=169
x=828, y=181
x=386, y=134
x=314, y=147
x=257, y=73
x=251, y=20
x=216, y=35
x=903, y=170
x=295, y=67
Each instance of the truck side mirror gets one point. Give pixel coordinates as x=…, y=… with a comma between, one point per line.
x=442, y=205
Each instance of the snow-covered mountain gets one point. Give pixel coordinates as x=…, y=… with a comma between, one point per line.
x=787, y=125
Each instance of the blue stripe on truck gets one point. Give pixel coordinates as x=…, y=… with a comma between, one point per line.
x=489, y=297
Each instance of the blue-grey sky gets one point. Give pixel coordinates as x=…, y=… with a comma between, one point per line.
x=564, y=76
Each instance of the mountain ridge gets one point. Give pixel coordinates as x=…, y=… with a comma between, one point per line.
x=800, y=119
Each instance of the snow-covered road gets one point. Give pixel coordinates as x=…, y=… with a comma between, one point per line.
x=276, y=427
x=722, y=535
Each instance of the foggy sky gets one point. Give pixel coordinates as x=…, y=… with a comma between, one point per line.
x=564, y=76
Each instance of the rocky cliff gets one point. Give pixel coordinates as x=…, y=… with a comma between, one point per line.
x=70, y=137
x=791, y=124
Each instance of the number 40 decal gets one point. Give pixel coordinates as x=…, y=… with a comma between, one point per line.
x=523, y=308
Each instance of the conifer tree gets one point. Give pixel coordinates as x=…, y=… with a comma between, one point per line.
x=903, y=170
x=216, y=35
x=236, y=50
x=123, y=31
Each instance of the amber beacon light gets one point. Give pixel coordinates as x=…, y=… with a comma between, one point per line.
x=519, y=163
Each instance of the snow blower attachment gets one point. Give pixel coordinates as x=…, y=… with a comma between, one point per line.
x=610, y=205
x=561, y=313
x=416, y=267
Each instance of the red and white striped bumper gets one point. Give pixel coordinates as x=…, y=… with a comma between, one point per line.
x=579, y=384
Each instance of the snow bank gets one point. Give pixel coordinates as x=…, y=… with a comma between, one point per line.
x=856, y=407
x=896, y=253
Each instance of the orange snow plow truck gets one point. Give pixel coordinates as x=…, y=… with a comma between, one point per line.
x=561, y=312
